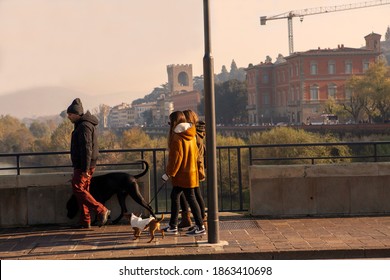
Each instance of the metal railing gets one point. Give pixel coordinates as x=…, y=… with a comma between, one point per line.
x=232, y=165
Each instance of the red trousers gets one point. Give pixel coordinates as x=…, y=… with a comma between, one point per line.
x=80, y=187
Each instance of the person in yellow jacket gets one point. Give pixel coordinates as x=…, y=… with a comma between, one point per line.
x=185, y=223
x=182, y=169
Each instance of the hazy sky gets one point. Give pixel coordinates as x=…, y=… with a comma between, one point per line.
x=121, y=48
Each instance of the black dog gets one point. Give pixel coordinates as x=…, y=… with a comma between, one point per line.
x=103, y=187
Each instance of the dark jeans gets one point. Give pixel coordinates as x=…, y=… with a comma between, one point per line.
x=189, y=194
x=199, y=198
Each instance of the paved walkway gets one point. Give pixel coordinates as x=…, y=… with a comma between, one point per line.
x=241, y=237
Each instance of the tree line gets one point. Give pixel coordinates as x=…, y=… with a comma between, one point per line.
x=368, y=96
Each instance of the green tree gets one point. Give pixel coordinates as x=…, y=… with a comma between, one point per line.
x=224, y=75
x=108, y=140
x=198, y=83
x=39, y=129
x=377, y=86
x=332, y=107
x=370, y=93
x=358, y=100
x=61, y=136
x=14, y=135
x=237, y=73
x=233, y=70
x=41, y=133
x=231, y=100
x=60, y=141
x=148, y=116
x=287, y=135
x=136, y=138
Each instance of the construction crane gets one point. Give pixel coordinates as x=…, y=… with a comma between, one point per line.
x=315, y=11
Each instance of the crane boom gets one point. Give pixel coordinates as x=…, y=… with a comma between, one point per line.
x=315, y=11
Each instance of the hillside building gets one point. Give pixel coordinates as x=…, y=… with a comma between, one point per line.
x=295, y=88
x=120, y=116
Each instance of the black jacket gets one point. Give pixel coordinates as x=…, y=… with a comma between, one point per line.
x=84, y=149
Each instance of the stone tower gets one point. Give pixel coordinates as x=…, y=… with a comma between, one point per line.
x=180, y=78
x=373, y=42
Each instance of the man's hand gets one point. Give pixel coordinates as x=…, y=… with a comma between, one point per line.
x=165, y=177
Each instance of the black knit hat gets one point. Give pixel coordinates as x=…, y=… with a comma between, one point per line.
x=76, y=107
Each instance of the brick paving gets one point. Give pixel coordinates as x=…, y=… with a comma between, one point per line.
x=241, y=237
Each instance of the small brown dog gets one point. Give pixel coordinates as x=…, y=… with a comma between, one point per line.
x=140, y=225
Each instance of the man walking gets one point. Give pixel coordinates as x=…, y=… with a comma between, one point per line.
x=84, y=152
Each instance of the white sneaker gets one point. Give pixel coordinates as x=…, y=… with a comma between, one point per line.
x=197, y=231
x=170, y=230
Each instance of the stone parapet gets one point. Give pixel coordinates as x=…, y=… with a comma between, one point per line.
x=320, y=190
x=41, y=199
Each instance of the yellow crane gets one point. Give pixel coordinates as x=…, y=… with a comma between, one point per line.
x=314, y=11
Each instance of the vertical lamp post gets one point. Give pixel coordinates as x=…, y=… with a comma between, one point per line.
x=208, y=74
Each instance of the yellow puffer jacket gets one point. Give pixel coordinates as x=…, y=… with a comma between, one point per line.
x=183, y=154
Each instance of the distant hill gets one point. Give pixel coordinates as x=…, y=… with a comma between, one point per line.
x=44, y=101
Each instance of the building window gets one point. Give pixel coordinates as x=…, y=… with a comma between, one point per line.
x=314, y=92
x=297, y=69
x=348, y=67
x=366, y=64
x=297, y=90
x=292, y=94
x=265, y=78
x=284, y=98
x=266, y=98
x=348, y=93
x=313, y=68
x=332, y=91
x=331, y=67
x=182, y=79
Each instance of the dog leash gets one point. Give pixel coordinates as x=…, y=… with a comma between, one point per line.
x=163, y=184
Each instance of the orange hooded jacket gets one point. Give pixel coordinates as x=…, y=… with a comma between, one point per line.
x=182, y=164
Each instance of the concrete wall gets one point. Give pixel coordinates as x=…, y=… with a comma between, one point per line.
x=275, y=191
x=41, y=199
x=320, y=190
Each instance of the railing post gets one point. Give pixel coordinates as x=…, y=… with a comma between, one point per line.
x=240, y=178
x=18, y=164
x=155, y=178
x=250, y=156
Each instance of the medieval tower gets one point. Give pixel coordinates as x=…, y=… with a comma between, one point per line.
x=180, y=78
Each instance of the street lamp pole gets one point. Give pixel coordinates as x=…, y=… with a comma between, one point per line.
x=211, y=150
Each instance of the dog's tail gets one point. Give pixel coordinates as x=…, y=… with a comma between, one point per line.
x=145, y=170
x=162, y=218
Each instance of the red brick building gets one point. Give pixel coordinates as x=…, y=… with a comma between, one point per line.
x=186, y=100
x=295, y=88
